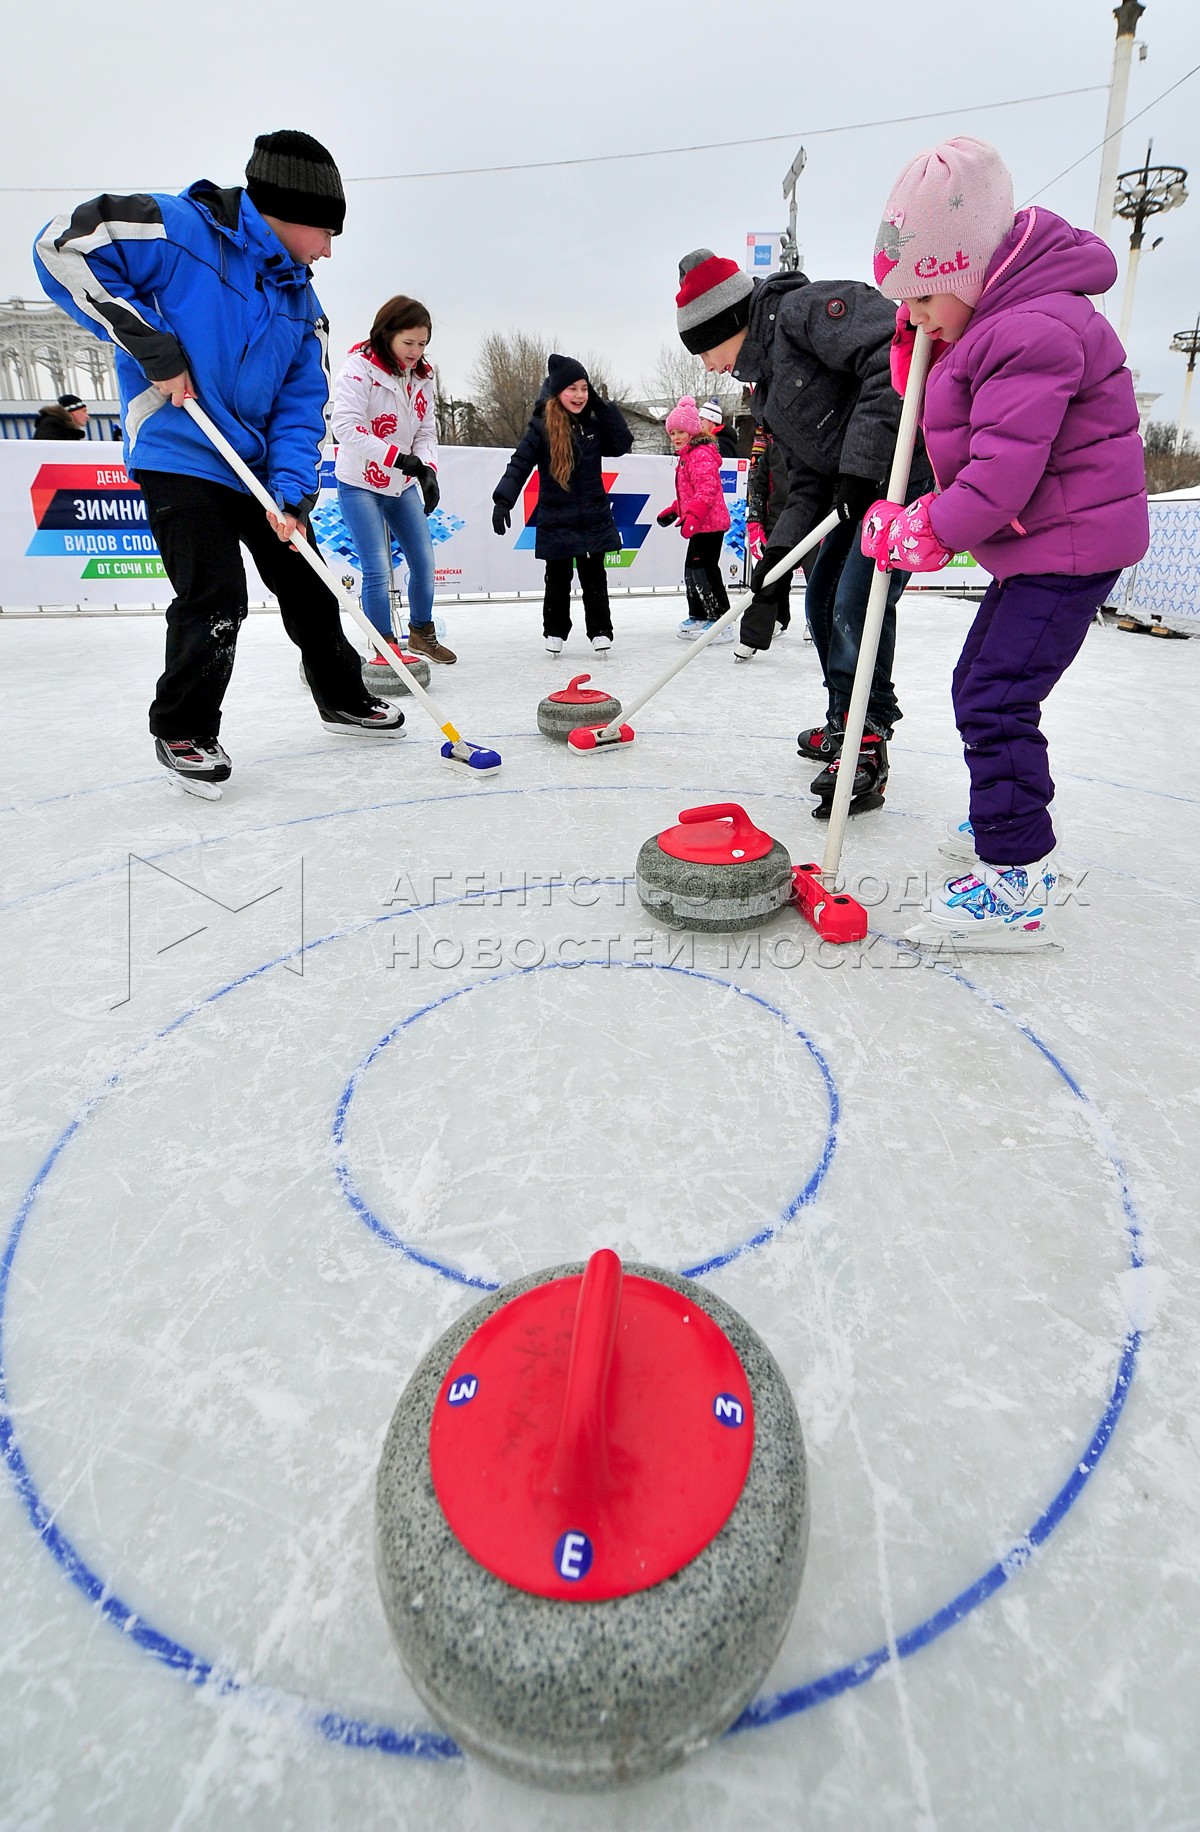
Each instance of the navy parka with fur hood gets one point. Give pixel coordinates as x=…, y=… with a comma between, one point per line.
x=578, y=519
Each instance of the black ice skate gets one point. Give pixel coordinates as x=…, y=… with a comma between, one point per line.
x=380, y=716
x=198, y=765
x=870, y=779
x=822, y=743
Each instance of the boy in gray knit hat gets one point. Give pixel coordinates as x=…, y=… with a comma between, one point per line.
x=210, y=294
x=816, y=355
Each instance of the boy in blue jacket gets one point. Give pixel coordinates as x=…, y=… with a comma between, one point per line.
x=210, y=293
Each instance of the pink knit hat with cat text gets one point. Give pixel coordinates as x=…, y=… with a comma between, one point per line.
x=949, y=211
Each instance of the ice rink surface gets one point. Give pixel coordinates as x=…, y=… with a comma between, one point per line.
x=292, y=1076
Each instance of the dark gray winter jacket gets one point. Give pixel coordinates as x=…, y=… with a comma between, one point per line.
x=817, y=353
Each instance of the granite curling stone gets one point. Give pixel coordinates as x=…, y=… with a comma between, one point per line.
x=380, y=678
x=716, y=871
x=590, y=1524
x=576, y=705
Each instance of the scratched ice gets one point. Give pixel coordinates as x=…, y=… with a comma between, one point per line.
x=293, y=1076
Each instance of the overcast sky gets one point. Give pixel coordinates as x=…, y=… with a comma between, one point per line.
x=129, y=98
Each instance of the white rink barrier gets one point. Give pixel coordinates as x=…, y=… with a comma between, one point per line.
x=74, y=534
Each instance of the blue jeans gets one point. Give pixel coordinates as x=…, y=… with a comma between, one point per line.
x=835, y=604
x=372, y=518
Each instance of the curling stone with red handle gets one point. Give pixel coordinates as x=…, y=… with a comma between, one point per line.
x=591, y=1519
x=716, y=871
x=576, y=705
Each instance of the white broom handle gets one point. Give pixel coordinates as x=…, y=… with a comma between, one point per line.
x=897, y=489
x=317, y=561
x=737, y=609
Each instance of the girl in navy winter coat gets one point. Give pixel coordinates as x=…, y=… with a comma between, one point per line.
x=571, y=432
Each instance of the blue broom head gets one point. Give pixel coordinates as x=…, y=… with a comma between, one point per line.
x=471, y=756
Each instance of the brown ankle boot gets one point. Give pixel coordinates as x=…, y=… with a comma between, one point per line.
x=422, y=640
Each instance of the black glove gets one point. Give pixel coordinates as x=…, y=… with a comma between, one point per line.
x=769, y=560
x=667, y=518
x=409, y=464
x=427, y=478
x=853, y=496
x=501, y=518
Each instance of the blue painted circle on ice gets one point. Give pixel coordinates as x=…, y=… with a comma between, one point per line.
x=360, y=1733
x=761, y=1236
x=573, y=1556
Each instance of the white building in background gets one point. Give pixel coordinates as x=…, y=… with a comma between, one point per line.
x=44, y=353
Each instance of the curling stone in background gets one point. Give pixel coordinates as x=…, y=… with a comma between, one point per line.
x=576, y=705
x=380, y=677
x=591, y=1518
x=715, y=871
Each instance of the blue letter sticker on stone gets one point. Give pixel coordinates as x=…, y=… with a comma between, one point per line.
x=462, y=1390
x=728, y=1410
x=573, y=1556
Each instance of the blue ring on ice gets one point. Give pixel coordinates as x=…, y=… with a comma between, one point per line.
x=361, y=1733
x=760, y=1238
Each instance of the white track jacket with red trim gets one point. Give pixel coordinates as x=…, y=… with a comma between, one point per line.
x=377, y=419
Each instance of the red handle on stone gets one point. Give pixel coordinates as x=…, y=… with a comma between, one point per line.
x=743, y=827
x=577, y=680
x=580, y=1465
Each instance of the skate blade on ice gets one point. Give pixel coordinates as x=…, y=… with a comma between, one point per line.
x=195, y=785
x=982, y=938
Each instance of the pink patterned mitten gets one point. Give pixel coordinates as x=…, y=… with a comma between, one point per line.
x=875, y=525
x=911, y=544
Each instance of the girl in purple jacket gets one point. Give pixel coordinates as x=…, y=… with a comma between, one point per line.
x=1032, y=430
x=702, y=513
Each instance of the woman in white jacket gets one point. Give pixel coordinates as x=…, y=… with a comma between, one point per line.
x=386, y=431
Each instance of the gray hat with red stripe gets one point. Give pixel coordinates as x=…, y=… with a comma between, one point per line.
x=713, y=300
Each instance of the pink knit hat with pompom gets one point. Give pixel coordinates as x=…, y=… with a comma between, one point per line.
x=684, y=418
x=949, y=211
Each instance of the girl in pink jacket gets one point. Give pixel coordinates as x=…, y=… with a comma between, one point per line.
x=1031, y=427
x=702, y=514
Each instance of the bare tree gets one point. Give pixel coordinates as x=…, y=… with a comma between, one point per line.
x=1171, y=463
x=508, y=373
x=677, y=372
x=505, y=383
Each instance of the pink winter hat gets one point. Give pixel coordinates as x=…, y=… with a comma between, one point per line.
x=684, y=418
x=949, y=211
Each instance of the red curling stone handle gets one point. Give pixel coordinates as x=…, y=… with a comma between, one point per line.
x=580, y=1466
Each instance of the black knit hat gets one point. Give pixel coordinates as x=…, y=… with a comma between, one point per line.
x=71, y=402
x=561, y=371
x=293, y=177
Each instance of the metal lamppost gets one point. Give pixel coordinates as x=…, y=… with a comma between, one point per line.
x=789, y=254
x=1141, y=195
x=1187, y=343
x=1126, y=16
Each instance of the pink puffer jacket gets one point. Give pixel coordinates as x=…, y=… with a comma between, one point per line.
x=699, y=500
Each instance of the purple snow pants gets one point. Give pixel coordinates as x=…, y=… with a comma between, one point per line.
x=1027, y=632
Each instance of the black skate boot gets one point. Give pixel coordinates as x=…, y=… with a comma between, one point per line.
x=822, y=743
x=199, y=765
x=870, y=778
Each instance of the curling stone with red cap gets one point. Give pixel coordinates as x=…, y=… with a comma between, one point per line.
x=590, y=1522
x=380, y=677
x=715, y=871
x=576, y=705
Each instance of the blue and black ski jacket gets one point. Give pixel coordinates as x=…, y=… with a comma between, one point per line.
x=200, y=282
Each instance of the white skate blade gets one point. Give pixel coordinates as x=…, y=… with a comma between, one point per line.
x=194, y=785
x=981, y=938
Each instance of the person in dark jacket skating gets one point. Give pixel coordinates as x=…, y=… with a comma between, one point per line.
x=572, y=430
x=209, y=295
x=66, y=419
x=817, y=355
